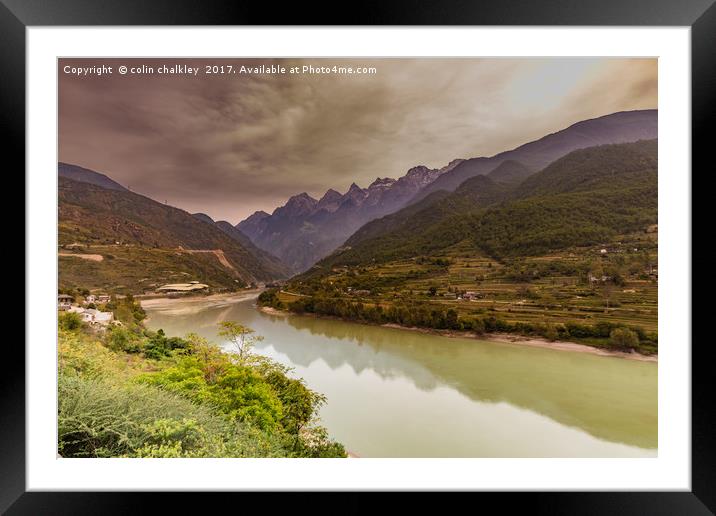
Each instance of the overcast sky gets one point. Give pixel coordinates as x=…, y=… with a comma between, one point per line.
x=229, y=145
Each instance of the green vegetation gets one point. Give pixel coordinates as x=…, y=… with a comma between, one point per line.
x=130, y=392
x=569, y=253
x=442, y=315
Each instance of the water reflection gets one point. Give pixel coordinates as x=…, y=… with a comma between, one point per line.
x=609, y=398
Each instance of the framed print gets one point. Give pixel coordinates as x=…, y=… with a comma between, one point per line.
x=417, y=255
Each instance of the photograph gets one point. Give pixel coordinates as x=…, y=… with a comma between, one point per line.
x=359, y=257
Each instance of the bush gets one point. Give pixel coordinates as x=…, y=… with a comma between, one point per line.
x=551, y=333
x=118, y=338
x=624, y=339
x=70, y=321
x=158, y=345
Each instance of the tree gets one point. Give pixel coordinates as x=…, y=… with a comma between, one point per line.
x=623, y=338
x=550, y=332
x=70, y=321
x=607, y=293
x=241, y=337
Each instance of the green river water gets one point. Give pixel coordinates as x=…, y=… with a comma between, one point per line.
x=399, y=393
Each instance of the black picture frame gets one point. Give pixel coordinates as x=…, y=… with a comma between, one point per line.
x=17, y=15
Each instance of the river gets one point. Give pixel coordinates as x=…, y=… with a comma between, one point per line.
x=400, y=393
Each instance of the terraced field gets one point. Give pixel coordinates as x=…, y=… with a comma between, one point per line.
x=614, y=283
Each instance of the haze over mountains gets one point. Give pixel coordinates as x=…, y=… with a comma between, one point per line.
x=305, y=229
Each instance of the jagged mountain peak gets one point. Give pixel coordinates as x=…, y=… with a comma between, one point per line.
x=381, y=182
x=258, y=215
x=417, y=170
x=330, y=195
x=330, y=201
x=303, y=196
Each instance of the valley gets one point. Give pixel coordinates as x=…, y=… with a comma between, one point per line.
x=569, y=254
x=453, y=257
x=566, y=253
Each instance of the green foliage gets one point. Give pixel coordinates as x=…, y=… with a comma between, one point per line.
x=70, y=321
x=623, y=338
x=412, y=313
x=120, y=338
x=299, y=402
x=127, y=310
x=236, y=390
x=189, y=400
x=241, y=337
x=270, y=298
x=99, y=418
x=158, y=345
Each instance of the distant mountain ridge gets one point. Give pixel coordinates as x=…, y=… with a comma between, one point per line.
x=620, y=127
x=583, y=198
x=305, y=229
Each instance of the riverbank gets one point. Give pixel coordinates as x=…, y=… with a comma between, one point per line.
x=504, y=338
x=189, y=305
x=166, y=301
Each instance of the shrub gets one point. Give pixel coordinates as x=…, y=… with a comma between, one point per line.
x=236, y=390
x=70, y=321
x=551, y=333
x=118, y=338
x=623, y=338
x=98, y=418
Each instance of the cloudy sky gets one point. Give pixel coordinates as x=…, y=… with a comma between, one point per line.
x=231, y=144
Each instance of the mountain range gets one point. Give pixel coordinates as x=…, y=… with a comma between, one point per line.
x=584, y=198
x=305, y=229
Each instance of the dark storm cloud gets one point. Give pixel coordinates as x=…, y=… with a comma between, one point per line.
x=230, y=145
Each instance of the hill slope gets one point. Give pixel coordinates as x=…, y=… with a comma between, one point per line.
x=85, y=175
x=145, y=243
x=244, y=240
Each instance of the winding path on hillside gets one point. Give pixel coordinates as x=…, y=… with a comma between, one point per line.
x=91, y=257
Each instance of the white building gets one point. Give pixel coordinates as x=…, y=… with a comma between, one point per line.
x=92, y=316
x=64, y=302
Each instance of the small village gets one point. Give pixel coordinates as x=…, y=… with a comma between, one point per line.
x=87, y=309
